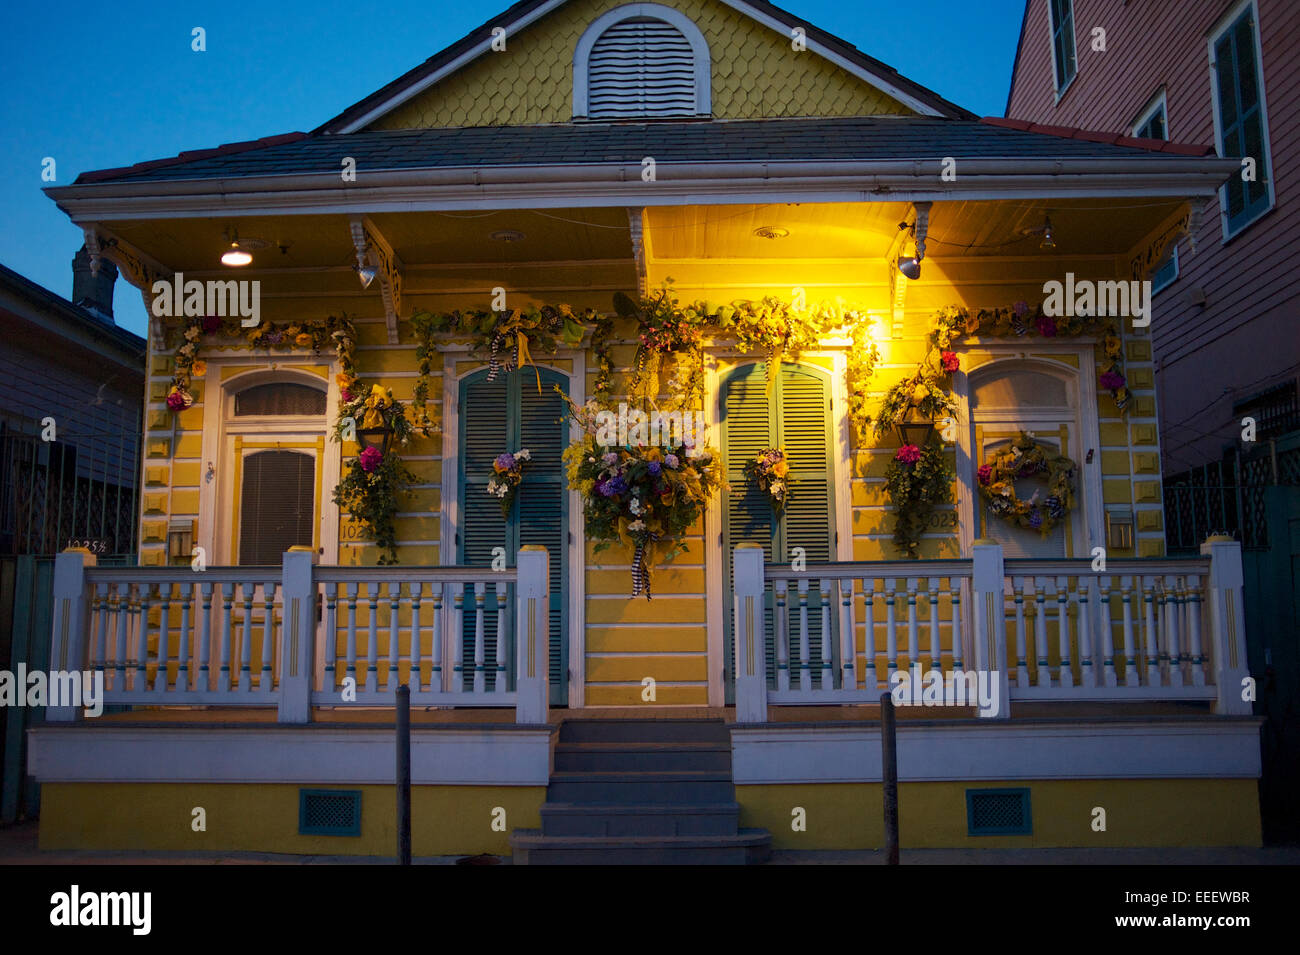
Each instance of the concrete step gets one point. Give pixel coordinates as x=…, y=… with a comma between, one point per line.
x=630, y=788
x=645, y=819
x=644, y=731
x=641, y=757
x=747, y=847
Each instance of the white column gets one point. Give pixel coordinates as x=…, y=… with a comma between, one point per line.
x=747, y=632
x=532, y=647
x=297, y=635
x=1227, y=624
x=71, y=624
x=988, y=614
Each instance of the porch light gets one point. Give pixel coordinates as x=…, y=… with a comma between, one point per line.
x=910, y=266
x=1048, y=242
x=378, y=438
x=235, y=256
x=915, y=428
x=366, y=275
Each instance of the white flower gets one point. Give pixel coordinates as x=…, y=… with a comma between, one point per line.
x=492, y=486
x=636, y=526
x=523, y=454
x=777, y=488
x=635, y=506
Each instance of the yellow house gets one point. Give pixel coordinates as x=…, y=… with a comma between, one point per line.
x=931, y=327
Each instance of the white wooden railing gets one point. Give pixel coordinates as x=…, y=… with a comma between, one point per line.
x=1160, y=630
x=296, y=636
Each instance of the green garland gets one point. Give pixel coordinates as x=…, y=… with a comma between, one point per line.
x=918, y=480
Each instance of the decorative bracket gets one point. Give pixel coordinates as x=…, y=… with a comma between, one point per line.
x=135, y=266
x=1144, y=259
x=636, y=225
x=916, y=224
x=374, y=250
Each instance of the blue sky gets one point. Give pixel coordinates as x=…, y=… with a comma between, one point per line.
x=95, y=87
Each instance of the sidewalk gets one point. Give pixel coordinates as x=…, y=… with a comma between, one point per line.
x=18, y=847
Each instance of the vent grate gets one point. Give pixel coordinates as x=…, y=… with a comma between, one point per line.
x=998, y=812
x=329, y=812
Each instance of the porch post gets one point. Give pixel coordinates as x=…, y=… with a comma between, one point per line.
x=747, y=634
x=297, y=635
x=532, y=634
x=71, y=624
x=1227, y=624
x=990, y=632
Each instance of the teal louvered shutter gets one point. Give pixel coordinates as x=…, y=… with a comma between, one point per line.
x=794, y=415
x=506, y=415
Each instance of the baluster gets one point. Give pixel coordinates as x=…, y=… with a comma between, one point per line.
x=164, y=625
x=1173, y=602
x=124, y=593
x=1107, y=638
x=141, y=681
x=394, y=678
x=185, y=649
x=1040, y=632
x=805, y=651
x=458, y=640
x=333, y=665
x=954, y=600
x=1130, y=653
x=1022, y=665
x=500, y=681
x=227, y=641
x=781, y=638
x=246, y=648
x=1194, y=629
x=480, y=672
x=913, y=639
x=203, y=681
x=372, y=637
x=417, y=662
x=848, y=637
x=435, y=677
x=1153, y=650
x=869, y=633
x=100, y=614
x=1063, y=630
x=932, y=598
x=891, y=631
x=352, y=632
x=264, y=682
x=828, y=673
x=1087, y=675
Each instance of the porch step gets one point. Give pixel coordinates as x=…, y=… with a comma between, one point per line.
x=640, y=819
x=629, y=757
x=645, y=731
x=631, y=788
x=641, y=792
x=747, y=846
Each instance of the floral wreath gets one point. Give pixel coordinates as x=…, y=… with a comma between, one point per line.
x=1026, y=458
x=770, y=470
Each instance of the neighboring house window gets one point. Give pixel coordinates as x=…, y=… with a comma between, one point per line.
x=1240, y=118
x=508, y=414
x=1154, y=124
x=795, y=416
x=1063, y=55
x=641, y=60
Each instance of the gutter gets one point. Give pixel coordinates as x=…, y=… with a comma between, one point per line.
x=620, y=184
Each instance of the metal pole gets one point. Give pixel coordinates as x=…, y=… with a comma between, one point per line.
x=404, y=775
x=889, y=755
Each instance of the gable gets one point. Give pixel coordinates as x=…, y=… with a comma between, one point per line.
x=754, y=74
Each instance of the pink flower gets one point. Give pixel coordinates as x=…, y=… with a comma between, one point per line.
x=346, y=396
x=950, y=361
x=985, y=473
x=176, y=400
x=1046, y=326
x=1112, y=380
x=370, y=459
x=908, y=454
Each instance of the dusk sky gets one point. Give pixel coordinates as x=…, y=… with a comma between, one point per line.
x=99, y=87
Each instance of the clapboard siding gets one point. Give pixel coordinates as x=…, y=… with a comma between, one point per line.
x=1243, y=339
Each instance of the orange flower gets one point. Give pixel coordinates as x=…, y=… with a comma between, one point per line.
x=199, y=369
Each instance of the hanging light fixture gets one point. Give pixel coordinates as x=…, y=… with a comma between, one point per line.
x=1048, y=242
x=910, y=265
x=236, y=255
x=366, y=274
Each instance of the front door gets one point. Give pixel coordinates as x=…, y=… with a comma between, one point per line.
x=510, y=414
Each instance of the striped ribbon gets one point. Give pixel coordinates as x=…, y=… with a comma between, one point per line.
x=641, y=572
x=495, y=364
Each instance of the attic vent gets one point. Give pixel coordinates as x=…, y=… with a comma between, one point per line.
x=998, y=812
x=641, y=67
x=329, y=812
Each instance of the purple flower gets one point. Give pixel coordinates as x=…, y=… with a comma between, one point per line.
x=654, y=467
x=609, y=459
x=370, y=459
x=671, y=461
x=1112, y=380
x=615, y=486
x=1021, y=309
x=505, y=461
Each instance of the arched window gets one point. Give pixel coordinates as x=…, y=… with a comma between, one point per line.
x=279, y=398
x=641, y=60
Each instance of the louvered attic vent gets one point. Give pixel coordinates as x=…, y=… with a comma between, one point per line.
x=641, y=67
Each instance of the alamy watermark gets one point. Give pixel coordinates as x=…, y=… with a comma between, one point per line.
x=631, y=427
x=175, y=297
x=80, y=688
x=1088, y=299
x=955, y=688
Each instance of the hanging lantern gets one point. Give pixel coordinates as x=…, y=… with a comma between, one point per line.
x=915, y=428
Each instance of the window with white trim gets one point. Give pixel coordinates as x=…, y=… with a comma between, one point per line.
x=641, y=60
x=1064, y=60
x=1240, y=117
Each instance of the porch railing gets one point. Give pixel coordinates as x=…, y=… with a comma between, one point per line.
x=296, y=635
x=1159, y=630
